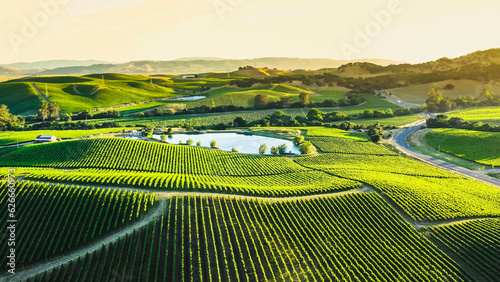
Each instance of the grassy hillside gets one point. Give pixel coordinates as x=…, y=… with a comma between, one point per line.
x=468, y=144
x=417, y=93
x=13, y=137
x=485, y=115
x=19, y=97
x=74, y=94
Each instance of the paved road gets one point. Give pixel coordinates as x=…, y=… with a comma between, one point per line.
x=400, y=142
x=396, y=100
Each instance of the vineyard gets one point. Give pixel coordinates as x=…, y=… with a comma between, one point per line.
x=354, y=237
x=477, y=242
x=340, y=144
x=126, y=154
x=483, y=114
x=423, y=192
x=66, y=217
x=467, y=144
x=281, y=185
x=430, y=198
x=375, y=163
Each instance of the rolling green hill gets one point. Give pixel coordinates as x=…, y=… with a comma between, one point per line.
x=79, y=93
x=20, y=97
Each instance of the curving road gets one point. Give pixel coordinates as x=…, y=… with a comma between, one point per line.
x=400, y=142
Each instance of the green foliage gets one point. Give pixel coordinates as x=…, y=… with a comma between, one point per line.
x=8, y=120
x=262, y=149
x=67, y=217
x=213, y=144
x=274, y=150
x=298, y=140
x=476, y=242
x=485, y=115
x=478, y=146
x=347, y=238
x=190, y=142
x=296, y=183
x=261, y=101
x=307, y=148
x=234, y=150
x=13, y=137
x=126, y=154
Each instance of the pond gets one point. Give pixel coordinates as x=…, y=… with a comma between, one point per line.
x=191, y=98
x=248, y=144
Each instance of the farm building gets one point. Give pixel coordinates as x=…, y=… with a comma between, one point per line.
x=45, y=138
x=188, y=76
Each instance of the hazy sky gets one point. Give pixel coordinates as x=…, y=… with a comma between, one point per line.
x=124, y=30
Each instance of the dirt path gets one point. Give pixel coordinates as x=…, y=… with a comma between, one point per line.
x=40, y=93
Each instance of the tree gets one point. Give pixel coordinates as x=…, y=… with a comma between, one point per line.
x=286, y=100
x=213, y=144
x=198, y=144
x=53, y=109
x=240, y=122
x=263, y=149
x=282, y=149
x=315, y=114
x=43, y=111
x=307, y=148
x=190, y=142
x=234, y=150
x=261, y=101
x=170, y=130
x=8, y=120
x=298, y=140
x=274, y=150
x=433, y=99
x=304, y=98
x=164, y=137
x=486, y=93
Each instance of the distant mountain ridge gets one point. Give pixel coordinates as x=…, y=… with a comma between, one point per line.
x=52, y=64
x=194, y=65
x=182, y=66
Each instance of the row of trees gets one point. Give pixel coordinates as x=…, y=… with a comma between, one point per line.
x=262, y=101
x=443, y=121
x=436, y=103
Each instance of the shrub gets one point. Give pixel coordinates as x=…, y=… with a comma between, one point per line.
x=307, y=148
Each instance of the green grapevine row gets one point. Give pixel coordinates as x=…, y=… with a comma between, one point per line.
x=428, y=198
x=291, y=184
x=52, y=219
x=125, y=154
x=477, y=242
x=392, y=164
x=354, y=237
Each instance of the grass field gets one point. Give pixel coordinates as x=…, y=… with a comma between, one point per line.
x=394, y=121
x=13, y=137
x=79, y=93
x=20, y=98
x=484, y=115
x=468, y=144
x=417, y=94
x=372, y=102
x=420, y=144
x=76, y=95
